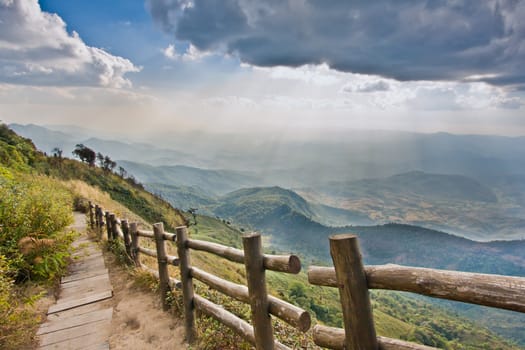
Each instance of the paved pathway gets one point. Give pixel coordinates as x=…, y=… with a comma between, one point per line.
x=81, y=317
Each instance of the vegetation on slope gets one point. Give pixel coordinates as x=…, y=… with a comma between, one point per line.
x=391, y=311
x=34, y=210
x=396, y=315
x=274, y=212
x=37, y=195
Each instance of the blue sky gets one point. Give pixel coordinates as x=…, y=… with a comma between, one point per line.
x=253, y=66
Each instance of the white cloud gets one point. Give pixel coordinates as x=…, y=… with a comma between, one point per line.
x=320, y=75
x=170, y=52
x=36, y=49
x=194, y=54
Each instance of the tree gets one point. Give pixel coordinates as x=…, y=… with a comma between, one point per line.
x=57, y=152
x=193, y=212
x=122, y=172
x=86, y=154
x=109, y=164
x=100, y=158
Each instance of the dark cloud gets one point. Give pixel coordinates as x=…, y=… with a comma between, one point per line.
x=402, y=39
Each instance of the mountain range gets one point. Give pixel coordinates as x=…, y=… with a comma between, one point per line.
x=468, y=185
x=291, y=222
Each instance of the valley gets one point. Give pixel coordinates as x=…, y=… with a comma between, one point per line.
x=417, y=218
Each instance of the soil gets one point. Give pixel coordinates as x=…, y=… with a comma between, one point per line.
x=138, y=320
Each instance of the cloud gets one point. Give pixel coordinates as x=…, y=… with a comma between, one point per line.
x=194, y=54
x=320, y=75
x=367, y=86
x=403, y=40
x=191, y=53
x=170, y=52
x=36, y=49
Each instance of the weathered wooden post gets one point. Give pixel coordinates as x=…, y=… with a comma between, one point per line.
x=91, y=216
x=255, y=276
x=108, y=226
x=359, y=328
x=101, y=221
x=162, y=260
x=127, y=239
x=97, y=221
x=114, y=234
x=135, y=254
x=187, y=283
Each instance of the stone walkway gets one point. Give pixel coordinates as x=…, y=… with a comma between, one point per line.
x=81, y=317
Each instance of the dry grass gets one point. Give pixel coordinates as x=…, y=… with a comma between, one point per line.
x=96, y=196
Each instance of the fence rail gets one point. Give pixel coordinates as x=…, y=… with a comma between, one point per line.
x=354, y=280
x=260, y=332
x=348, y=275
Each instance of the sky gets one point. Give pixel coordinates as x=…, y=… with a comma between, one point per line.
x=264, y=66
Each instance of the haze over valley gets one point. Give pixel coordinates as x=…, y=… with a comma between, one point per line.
x=471, y=186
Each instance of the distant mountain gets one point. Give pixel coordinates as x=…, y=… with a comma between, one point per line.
x=425, y=186
x=454, y=203
x=138, y=152
x=46, y=140
x=296, y=160
x=249, y=206
x=390, y=243
x=185, y=197
x=212, y=181
x=252, y=206
x=291, y=221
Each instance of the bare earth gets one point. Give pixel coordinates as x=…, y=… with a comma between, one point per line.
x=138, y=320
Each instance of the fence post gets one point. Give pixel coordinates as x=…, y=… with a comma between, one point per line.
x=114, y=235
x=108, y=225
x=91, y=218
x=101, y=222
x=134, y=243
x=97, y=223
x=187, y=283
x=353, y=292
x=127, y=240
x=162, y=260
x=255, y=276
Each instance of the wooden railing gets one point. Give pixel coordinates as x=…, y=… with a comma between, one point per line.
x=260, y=332
x=348, y=275
x=354, y=280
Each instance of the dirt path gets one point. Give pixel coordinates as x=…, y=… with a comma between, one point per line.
x=138, y=320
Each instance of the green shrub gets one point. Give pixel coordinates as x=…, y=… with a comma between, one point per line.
x=34, y=210
x=17, y=322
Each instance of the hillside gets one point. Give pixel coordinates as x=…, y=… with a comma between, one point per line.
x=469, y=185
x=184, y=197
x=213, y=181
x=290, y=230
x=417, y=321
x=396, y=314
x=289, y=227
x=249, y=206
x=430, y=187
x=47, y=139
x=294, y=223
x=453, y=203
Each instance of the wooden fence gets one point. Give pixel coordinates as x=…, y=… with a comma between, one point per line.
x=348, y=275
x=255, y=294
x=354, y=280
